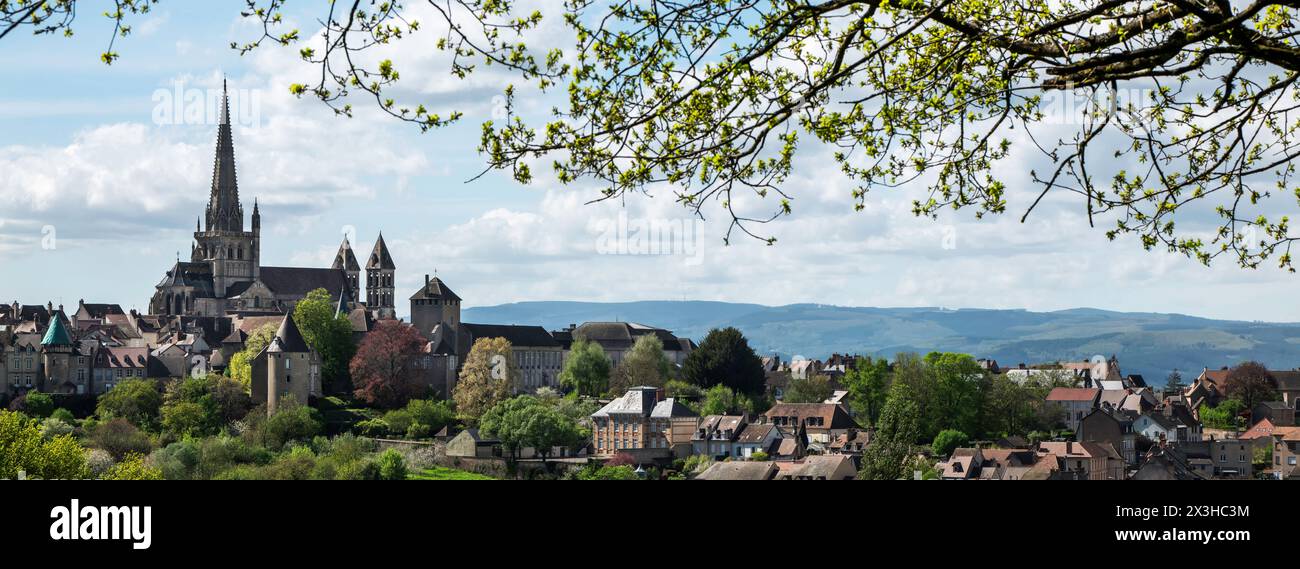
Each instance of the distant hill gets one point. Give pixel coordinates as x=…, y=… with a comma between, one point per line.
x=1148, y=344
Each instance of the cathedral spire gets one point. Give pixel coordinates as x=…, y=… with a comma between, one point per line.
x=224, y=211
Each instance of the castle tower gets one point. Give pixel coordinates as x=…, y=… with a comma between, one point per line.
x=435, y=304
x=232, y=252
x=380, y=274
x=346, y=261
x=288, y=366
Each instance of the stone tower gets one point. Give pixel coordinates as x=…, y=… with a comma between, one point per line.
x=346, y=261
x=380, y=274
x=435, y=305
x=233, y=253
x=287, y=367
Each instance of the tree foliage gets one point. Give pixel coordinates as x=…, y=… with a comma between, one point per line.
x=384, y=369
x=719, y=99
x=487, y=378
x=868, y=386
x=1177, y=112
x=644, y=365
x=136, y=400
x=890, y=453
x=327, y=332
x=527, y=422
x=814, y=389
x=725, y=358
x=24, y=449
x=586, y=369
x=1251, y=384
x=947, y=441
x=240, y=366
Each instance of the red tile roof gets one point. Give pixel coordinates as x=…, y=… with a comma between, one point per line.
x=1263, y=428
x=1073, y=394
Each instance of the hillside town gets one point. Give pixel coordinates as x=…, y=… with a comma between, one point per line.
x=297, y=374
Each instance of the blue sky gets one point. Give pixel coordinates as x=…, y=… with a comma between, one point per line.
x=81, y=152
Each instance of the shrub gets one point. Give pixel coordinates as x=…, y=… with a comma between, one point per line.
x=133, y=467
x=120, y=438
x=99, y=461
x=608, y=473
x=377, y=428
x=359, y=470
x=64, y=415
x=52, y=427
x=621, y=459
x=39, y=405
x=291, y=421
x=758, y=456
x=947, y=441
x=392, y=465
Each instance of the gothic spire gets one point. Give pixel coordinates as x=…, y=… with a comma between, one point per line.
x=224, y=210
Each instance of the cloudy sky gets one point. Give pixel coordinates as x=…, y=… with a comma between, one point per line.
x=102, y=179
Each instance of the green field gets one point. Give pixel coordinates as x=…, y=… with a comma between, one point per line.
x=442, y=473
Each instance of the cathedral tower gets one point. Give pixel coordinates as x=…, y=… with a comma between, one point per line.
x=380, y=273
x=346, y=261
x=232, y=252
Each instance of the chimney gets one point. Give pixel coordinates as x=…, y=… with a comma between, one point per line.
x=426, y=281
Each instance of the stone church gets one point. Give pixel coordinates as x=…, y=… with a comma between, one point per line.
x=225, y=276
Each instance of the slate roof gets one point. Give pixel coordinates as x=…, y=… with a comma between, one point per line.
x=33, y=312
x=518, y=336
x=196, y=275
x=737, y=470
x=753, y=434
x=669, y=408
x=435, y=289
x=121, y=357
x=379, y=257
x=298, y=281
x=345, y=260
x=621, y=335
x=101, y=311
x=642, y=401
x=288, y=338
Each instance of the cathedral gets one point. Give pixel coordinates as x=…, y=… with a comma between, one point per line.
x=225, y=276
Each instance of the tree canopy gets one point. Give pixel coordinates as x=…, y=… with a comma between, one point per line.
x=326, y=331
x=724, y=357
x=487, y=378
x=384, y=369
x=1175, y=126
x=586, y=369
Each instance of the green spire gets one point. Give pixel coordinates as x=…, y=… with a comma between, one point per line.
x=57, y=335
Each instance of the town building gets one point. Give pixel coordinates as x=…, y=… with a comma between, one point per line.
x=1075, y=403
x=617, y=338
x=822, y=422
x=643, y=424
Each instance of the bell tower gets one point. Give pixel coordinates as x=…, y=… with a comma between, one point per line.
x=380, y=274
x=231, y=251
